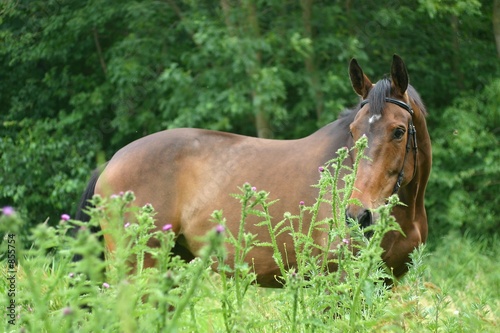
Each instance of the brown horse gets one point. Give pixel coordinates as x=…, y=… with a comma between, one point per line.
x=186, y=174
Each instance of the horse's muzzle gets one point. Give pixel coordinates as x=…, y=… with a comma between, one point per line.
x=363, y=216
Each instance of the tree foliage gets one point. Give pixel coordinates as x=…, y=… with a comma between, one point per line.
x=466, y=169
x=83, y=78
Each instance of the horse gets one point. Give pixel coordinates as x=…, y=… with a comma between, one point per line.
x=187, y=174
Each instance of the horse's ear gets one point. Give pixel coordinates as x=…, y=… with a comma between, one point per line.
x=360, y=82
x=399, y=75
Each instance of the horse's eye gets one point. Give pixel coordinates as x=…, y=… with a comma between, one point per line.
x=398, y=133
x=350, y=133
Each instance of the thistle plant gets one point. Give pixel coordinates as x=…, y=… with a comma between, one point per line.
x=242, y=275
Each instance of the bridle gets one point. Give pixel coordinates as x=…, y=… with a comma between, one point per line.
x=412, y=140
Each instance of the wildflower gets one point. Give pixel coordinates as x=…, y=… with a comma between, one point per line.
x=105, y=285
x=129, y=196
x=167, y=227
x=67, y=311
x=219, y=229
x=65, y=217
x=71, y=275
x=301, y=203
x=148, y=208
x=96, y=200
x=169, y=275
x=8, y=211
x=345, y=241
x=254, y=188
x=321, y=169
x=126, y=225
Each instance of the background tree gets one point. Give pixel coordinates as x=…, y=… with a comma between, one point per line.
x=496, y=24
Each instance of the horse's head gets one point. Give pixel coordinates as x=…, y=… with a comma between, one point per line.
x=385, y=116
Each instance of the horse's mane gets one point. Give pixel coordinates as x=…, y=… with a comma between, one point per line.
x=376, y=99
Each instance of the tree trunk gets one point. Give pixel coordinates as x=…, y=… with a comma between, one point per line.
x=226, y=9
x=496, y=24
x=250, y=28
x=261, y=117
x=99, y=51
x=456, y=61
x=312, y=73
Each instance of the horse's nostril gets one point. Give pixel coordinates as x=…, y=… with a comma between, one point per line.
x=365, y=219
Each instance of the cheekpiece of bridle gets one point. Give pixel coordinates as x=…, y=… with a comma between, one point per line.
x=412, y=140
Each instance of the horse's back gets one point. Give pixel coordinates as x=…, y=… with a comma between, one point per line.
x=161, y=168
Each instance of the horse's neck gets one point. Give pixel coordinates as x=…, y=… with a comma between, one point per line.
x=334, y=135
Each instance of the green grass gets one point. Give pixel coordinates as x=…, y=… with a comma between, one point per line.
x=456, y=290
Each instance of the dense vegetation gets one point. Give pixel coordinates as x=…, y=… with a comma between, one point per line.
x=83, y=78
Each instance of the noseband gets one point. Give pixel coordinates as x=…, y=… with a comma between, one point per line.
x=412, y=140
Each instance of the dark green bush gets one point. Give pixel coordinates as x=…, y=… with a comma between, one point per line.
x=463, y=189
x=44, y=168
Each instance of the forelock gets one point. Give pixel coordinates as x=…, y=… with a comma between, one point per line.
x=377, y=96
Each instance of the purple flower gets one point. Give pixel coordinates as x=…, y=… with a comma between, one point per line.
x=345, y=241
x=105, y=285
x=301, y=203
x=254, y=188
x=321, y=169
x=67, y=311
x=65, y=217
x=8, y=211
x=129, y=196
x=167, y=227
x=148, y=208
x=126, y=225
x=219, y=229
